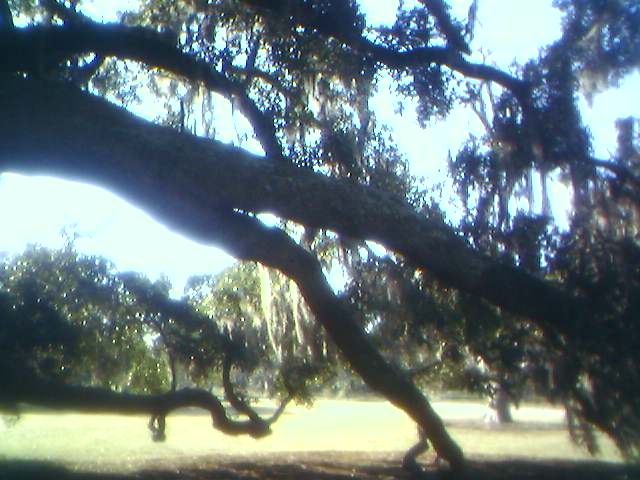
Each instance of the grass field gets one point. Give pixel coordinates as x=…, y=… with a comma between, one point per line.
x=363, y=429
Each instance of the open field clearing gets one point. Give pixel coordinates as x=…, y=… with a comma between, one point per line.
x=333, y=429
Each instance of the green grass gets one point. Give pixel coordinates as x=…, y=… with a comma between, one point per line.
x=369, y=428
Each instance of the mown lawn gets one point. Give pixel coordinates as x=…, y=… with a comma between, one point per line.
x=332, y=429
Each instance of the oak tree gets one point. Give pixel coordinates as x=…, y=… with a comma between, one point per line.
x=301, y=73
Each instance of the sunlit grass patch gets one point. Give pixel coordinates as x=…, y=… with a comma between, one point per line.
x=370, y=428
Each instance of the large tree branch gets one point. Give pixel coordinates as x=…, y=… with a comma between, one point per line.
x=251, y=240
x=51, y=128
x=43, y=47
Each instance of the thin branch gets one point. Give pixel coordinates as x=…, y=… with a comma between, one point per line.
x=6, y=17
x=241, y=405
x=452, y=33
x=82, y=75
x=624, y=174
x=34, y=391
x=251, y=73
x=253, y=52
x=280, y=410
x=423, y=369
x=450, y=58
x=409, y=461
x=304, y=15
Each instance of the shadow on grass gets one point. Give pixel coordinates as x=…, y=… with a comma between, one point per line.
x=309, y=469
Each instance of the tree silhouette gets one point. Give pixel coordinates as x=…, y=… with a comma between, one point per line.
x=301, y=73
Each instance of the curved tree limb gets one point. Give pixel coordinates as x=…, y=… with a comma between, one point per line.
x=24, y=50
x=21, y=384
x=229, y=391
x=195, y=323
x=410, y=459
x=56, y=395
x=623, y=173
x=66, y=14
x=240, y=405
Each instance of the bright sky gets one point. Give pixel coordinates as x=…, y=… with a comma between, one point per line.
x=36, y=209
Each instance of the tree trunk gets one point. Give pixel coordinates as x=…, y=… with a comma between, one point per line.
x=502, y=405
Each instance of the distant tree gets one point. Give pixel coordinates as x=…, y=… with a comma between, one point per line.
x=266, y=309
x=301, y=73
x=75, y=334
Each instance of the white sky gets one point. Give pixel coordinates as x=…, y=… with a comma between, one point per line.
x=35, y=209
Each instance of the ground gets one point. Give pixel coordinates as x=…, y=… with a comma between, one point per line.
x=333, y=440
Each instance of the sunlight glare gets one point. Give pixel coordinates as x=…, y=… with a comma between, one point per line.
x=107, y=225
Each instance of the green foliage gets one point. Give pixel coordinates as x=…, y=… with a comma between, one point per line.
x=604, y=38
x=79, y=321
x=595, y=259
x=303, y=380
x=85, y=293
x=267, y=321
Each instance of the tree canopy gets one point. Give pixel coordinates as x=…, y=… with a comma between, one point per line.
x=553, y=308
